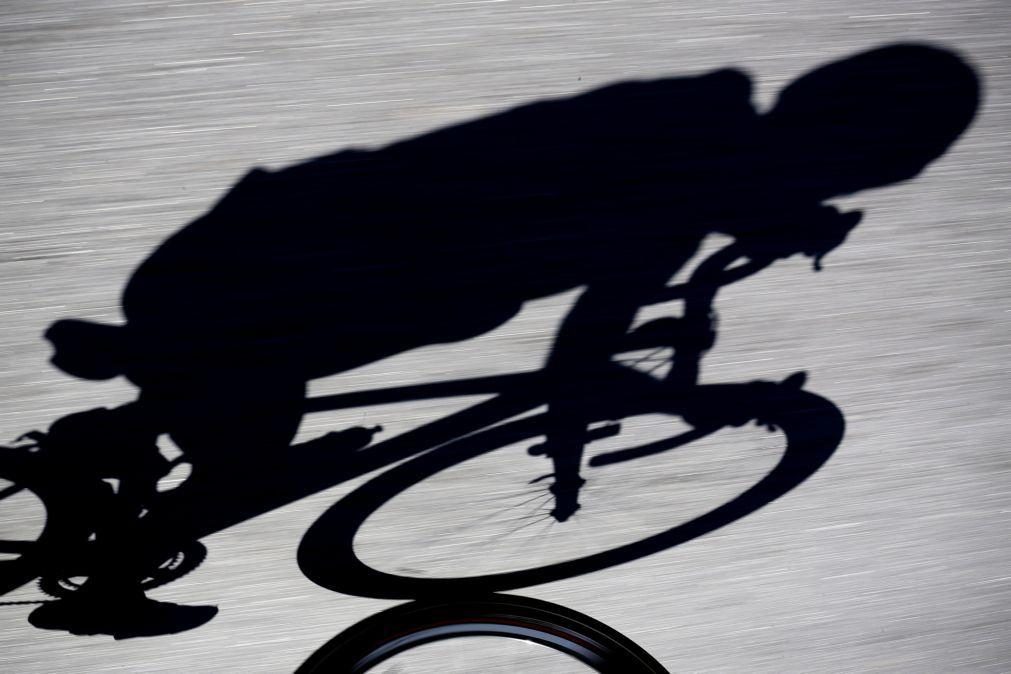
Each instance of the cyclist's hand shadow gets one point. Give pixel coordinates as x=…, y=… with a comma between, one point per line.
x=810, y=232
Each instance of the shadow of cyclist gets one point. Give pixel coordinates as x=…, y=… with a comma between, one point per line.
x=353, y=257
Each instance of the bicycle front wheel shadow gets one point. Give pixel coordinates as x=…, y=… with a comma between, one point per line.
x=404, y=628
x=420, y=536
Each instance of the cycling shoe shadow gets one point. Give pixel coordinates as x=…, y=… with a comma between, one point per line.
x=118, y=617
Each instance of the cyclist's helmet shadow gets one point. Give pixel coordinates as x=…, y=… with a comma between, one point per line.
x=871, y=120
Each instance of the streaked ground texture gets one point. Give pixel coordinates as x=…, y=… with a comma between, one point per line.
x=121, y=121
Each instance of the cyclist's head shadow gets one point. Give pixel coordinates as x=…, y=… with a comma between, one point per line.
x=871, y=120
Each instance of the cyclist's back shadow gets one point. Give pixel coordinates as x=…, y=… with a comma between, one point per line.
x=350, y=258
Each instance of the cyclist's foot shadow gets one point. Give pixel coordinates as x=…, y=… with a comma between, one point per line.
x=137, y=617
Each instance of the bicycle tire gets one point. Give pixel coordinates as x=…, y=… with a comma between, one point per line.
x=21, y=468
x=401, y=628
x=813, y=427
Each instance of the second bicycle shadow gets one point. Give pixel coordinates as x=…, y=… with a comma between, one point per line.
x=354, y=257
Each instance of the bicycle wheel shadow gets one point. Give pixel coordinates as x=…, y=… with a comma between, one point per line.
x=813, y=429
x=353, y=257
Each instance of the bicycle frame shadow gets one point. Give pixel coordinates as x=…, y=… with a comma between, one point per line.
x=816, y=428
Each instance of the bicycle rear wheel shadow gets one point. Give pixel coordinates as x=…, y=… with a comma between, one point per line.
x=813, y=428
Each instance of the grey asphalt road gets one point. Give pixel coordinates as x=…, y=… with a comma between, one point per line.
x=123, y=120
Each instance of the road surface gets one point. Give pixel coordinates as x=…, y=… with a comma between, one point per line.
x=123, y=120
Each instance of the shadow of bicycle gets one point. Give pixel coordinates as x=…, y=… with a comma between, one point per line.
x=354, y=257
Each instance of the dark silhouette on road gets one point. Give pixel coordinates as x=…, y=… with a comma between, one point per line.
x=356, y=256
